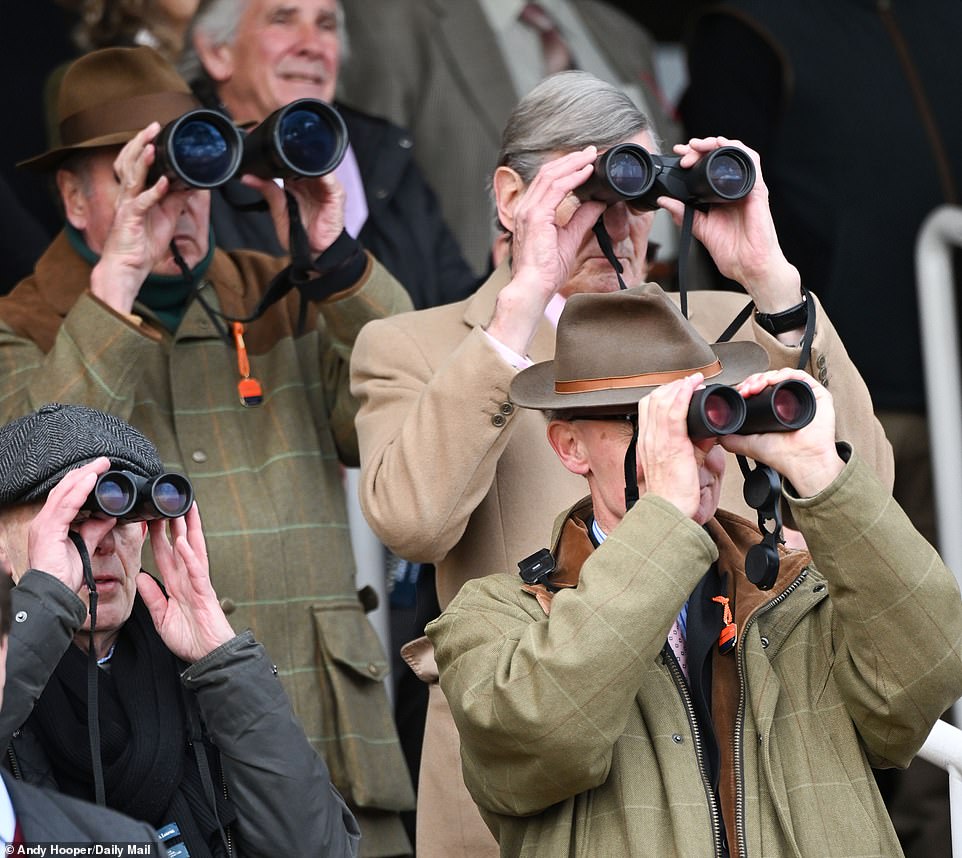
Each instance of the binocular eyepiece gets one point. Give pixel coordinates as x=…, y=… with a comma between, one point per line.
x=130, y=497
x=631, y=173
x=204, y=149
x=720, y=410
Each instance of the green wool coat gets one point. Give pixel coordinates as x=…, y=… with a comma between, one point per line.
x=268, y=479
x=576, y=737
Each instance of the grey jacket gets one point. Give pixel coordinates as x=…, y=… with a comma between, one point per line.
x=286, y=804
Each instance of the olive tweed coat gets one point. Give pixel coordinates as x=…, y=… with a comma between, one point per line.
x=575, y=726
x=267, y=479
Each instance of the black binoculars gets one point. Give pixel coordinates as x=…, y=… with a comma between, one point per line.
x=130, y=497
x=631, y=173
x=204, y=149
x=720, y=410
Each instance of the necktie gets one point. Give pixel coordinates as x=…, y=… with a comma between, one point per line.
x=676, y=639
x=557, y=57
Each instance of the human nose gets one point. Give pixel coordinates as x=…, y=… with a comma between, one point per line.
x=107, y=544
x=616, y=221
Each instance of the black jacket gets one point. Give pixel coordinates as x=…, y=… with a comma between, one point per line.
x=404, y=229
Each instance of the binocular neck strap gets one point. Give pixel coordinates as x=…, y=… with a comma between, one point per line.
x=684, y=249
x=93, y=708
x=604, y=242
x=631, y=469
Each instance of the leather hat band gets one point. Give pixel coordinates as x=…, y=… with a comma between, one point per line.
x=648, y=379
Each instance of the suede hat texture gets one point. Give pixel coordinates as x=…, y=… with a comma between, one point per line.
x=106, y=97
x=612, y=349
x=37, y=450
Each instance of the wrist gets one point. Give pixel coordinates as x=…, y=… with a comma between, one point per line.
x=783, y=321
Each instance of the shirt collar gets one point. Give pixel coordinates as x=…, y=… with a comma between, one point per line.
x=8, y=822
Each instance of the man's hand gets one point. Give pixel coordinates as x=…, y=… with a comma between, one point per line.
x=740, y=236
x=550, y=226
x=189, y=620
x=807, y=457
x=144, y=222
x=320, y=202
x=49, y=548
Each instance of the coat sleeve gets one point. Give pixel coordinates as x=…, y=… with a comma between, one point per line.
x=46, y=615
x=897, y=613
x=539, y=701
x=282, y=789
x=430, y=436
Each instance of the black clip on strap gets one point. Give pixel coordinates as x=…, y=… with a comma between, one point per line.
x=93, y=707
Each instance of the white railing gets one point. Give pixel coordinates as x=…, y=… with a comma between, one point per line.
x=943, y=748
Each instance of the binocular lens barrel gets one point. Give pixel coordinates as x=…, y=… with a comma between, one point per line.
x=720, y=410
x=729, y=173
x=627, y=169
x=129, y=497
x=307, y=137
x=201, y=149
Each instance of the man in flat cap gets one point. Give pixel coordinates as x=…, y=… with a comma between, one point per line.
x=133, y=311
x=638, y=694
x=190, y=729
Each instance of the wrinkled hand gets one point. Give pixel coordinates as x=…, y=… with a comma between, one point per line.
x=49, y=549
x=145, y=220
x=807, y=457
x=550, y=225
x=741, y=236
x=190, y=620
x=321, y=204
x=665, y=454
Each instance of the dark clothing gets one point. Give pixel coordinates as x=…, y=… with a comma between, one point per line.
x=856, y=151
x=259, y=758
x=45, y=816
x=404, y=230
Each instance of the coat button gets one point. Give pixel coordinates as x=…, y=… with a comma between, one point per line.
x=228, y=605
x=405, y=142
x=507, y=408
x=818, y=588
x=820, y=363
x=498, y=420
x=677, y=739
x=381, y=193
x=199, y=456
x=21, y=616
x=765, y=641
x=372, y=669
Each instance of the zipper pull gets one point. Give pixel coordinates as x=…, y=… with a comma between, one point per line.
x=249, y=389
x=729, y=633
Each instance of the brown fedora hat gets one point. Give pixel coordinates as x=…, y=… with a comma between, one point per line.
x=614, y=348
x=107, y=96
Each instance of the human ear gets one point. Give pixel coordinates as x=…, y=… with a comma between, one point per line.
x=217, y=59
x=565, y=439
x=508, y=188
x=74, y=197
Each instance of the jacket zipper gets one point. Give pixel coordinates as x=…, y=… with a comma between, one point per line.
x=14, y=762
x=738, y=738
x=713, y=808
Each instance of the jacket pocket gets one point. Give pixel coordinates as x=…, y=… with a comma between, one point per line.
x=362, y=748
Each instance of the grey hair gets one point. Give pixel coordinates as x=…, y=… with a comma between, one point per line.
x=218, y=20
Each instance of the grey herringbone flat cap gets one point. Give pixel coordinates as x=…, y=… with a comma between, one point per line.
x=38, y=449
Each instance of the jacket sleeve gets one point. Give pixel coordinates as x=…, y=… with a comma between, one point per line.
x=897, y=614
x=430, y=437
x=95, y=359
x=46, y=614
x=539, y=701
x=376, y=295
x=282, y=789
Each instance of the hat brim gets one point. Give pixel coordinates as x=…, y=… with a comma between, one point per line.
x=534, y=387
x=51, y=159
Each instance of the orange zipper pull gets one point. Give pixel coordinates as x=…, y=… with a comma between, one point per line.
x=729, y=633
x=249, y=389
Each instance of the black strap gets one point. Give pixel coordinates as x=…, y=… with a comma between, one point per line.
x=684, y=249
x=631, y=469
x=93, y=708
x=604, y=242
x=203, y=767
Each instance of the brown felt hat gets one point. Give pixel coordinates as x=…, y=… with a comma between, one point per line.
x=106, y=97
x=614, y=348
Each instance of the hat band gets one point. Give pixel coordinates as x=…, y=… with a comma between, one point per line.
x=648, y=379
x=129, y=114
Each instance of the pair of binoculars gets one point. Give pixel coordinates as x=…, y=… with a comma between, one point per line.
x=631, y=173
x=130, y=497
x=204, y=149
x=720, y=410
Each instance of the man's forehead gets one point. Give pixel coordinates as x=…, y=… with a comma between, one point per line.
x=307, y=8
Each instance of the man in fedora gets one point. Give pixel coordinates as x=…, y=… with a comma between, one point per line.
x=133, y=311
x=195, y=735
x=641, y=696
x=452, y=472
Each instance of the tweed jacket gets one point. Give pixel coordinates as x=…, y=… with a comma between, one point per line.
x=453, y=474
x=435, y=67
x=577, y=737
x=267, y=478
x=280, y=787
x=46, y=816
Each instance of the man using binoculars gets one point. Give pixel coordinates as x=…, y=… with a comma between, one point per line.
x=639, y=696
x=194, y=733
x=434, y=385
x=237, y=365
